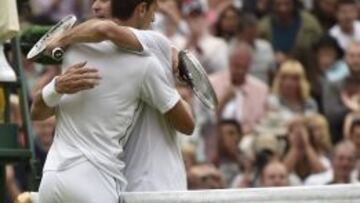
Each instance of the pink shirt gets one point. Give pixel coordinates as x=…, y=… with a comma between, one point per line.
x=253, y=102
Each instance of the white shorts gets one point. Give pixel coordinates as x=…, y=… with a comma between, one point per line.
x=82, y=183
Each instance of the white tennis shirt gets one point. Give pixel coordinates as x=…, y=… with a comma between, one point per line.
x=94, y=124
x=152, y=155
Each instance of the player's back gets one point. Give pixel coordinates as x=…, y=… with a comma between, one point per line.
x=93, y=124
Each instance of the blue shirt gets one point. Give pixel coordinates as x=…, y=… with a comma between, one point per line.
x=284, y=37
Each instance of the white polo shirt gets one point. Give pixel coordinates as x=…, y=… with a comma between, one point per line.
x=152, y=155
x=94, y=124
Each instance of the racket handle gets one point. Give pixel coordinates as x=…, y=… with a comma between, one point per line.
x=57, y=53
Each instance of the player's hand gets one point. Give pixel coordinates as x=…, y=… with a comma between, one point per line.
x=54, y=42
x=77, y=78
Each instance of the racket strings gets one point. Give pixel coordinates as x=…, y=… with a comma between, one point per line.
x=201, y=85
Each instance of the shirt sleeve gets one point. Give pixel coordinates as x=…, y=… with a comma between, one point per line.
x=157, y=90
x=155, y=43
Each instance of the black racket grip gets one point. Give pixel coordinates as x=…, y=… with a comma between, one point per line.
x=57, y=53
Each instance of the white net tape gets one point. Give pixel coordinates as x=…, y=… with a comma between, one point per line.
x=314, y=194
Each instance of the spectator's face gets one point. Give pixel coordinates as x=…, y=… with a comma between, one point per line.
x=353, y=59
x=316, y=134
x=328, y=7
x=355, y=137
x=347, y=14
x=344, y=162
x=326, y=57
x=250, y=33
x=197, y=24
x=101, y=9
x=229, y=21
x=44, y=131
x=290, y=84
x=275, y=175
x=230, y=137
x=283, y=8
x=240, y=62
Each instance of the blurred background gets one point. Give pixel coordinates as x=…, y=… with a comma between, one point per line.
x=286, y=74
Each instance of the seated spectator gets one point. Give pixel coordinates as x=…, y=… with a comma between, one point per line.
x=343, y=167
x=188, y=154
x=227, y=158
x=227, y=22
x=274, y=174
x=291, y=31
x=347, y=29
x=354, y=135
x=319, y=133
x=338, y=96
x=325, y=12
x=329, y=59
x=211, y=51
x=205, y=177
x=329, y=67
x=44, y=131
x=263, y=60
x=350, y=96
x=291, y=92
x=303, y=156
x=241, y=96
x=259, y=7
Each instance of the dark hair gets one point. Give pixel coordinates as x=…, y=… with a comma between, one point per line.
x=329, y=41
x=219, y=32
x=124, y=9
x=233, y=122
x=355, y=123
x=247, y=20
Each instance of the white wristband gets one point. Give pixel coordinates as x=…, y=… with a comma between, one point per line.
x=49, y=94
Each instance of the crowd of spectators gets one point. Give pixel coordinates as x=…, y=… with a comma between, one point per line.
x=287, y=77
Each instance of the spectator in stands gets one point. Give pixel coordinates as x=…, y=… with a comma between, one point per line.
x=205, y=177
x=302, y=156
x=290, y=30
x=325, y=12
x=227, y=22
x=274, y=174
x=355, y=135
x=343, y=167
x=329, y=66
x=44, y=131
x=211, y=51
x=227, y=158
x=329, y=59
x=291, y=92
x=241, y=96
x=263, y=60
x=319, y=134
x=259, y=8
x=335, y=94
x=347, y=29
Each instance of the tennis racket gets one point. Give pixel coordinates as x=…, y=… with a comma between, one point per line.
x=193, y=73
x=58, y=29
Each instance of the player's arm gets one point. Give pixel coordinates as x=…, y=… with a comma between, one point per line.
x=97, y=30
x=76, y=78
x=158, y=92
x=181, y=118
